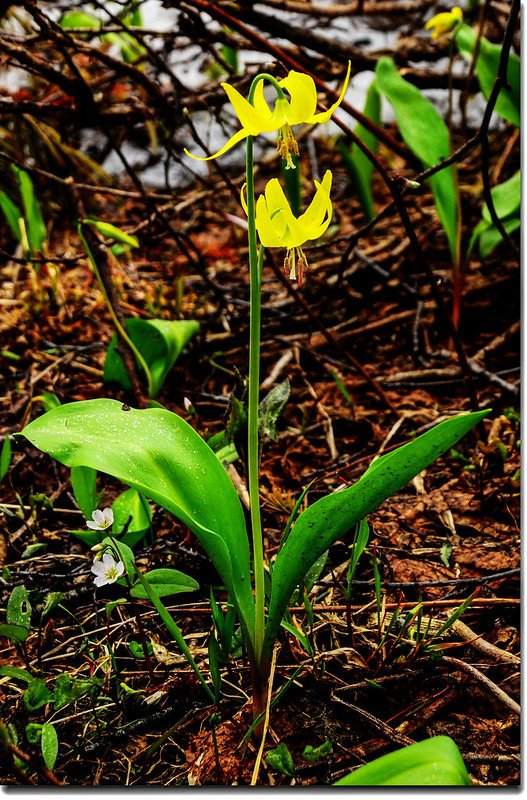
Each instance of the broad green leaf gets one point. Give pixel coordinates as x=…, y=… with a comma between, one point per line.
x=131, y=512
x=49, y=744
x=314, y=754
x=51, y=601
x=426, y=135
x=160, y=455
x=333, y=516
x=111, y=232
x=508, y=104
x=34, y=549
x=5, y=457
x=69, y=689
x=79, y=19
x=36, y=229
x=159, y=341
x=36, y=695
x=8, y=671
x=17, y=633
x=433, y=762
x=84, y=485
x=19, y=607
x=12, y=214
x=165, y=582
x=280, y=759
x=491, y=237
x=357, y=163
x=506, y=197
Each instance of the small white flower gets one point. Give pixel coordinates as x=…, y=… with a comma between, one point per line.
x=101, y=520
x=107, y=570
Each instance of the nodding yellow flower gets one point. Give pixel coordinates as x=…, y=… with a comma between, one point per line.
x=444, y=23
x=277, y=226
x=257, y=117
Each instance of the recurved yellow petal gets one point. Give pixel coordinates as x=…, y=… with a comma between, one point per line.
x=251, y=117
x=238, y=137
x=323, y=116
x=303, y=94
x=319, y=212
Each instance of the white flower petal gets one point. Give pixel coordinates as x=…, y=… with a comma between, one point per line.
x=119, y=567
x=100, y=580
x=98, y=568
x=109, y=561
x=94, y=526
x=98, y=516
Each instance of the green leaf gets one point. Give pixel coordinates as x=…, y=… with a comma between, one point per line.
x=7, y=671
x=33, y=550
x=12, y=213
x=84, y=485
x=49, y=744
x=5, y=457
x=215, y=658
x=426, y=135
x=19, y=607
x=137, y=650
x=433, y=762
x=36, y=229
x=271, y=408
x=360, y=541
x=69, y=690
x=132, y=508
x=508, y=104
x=280, y=759
x=48, y=400
x=165, y=582
x=159, y=341
x=36, y=695
x=160, y=455
x=111, y=232
x=333, y=516
x=17, y=633
x=359, y=166
x=314, y=754
x=506, y=197
x=491, y=237
x=51, y=601
x=34, y=732
x=79, y=19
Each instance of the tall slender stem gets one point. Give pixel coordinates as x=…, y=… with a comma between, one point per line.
x=253, y=449
x=253, y=446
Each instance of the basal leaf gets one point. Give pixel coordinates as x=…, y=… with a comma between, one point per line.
x=333, y=516
x=160, y=455
x=506, y=197
x=12, y=214
x=133, y=515
x=159, y=341
x=426, y=135
x=357, y=163
x=508, y=104
x=84, y=485
x=35, y=227
x=433, y=762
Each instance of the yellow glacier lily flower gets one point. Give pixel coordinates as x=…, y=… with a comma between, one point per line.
x=277, y=226
x=258, y=117
x=444, y=23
